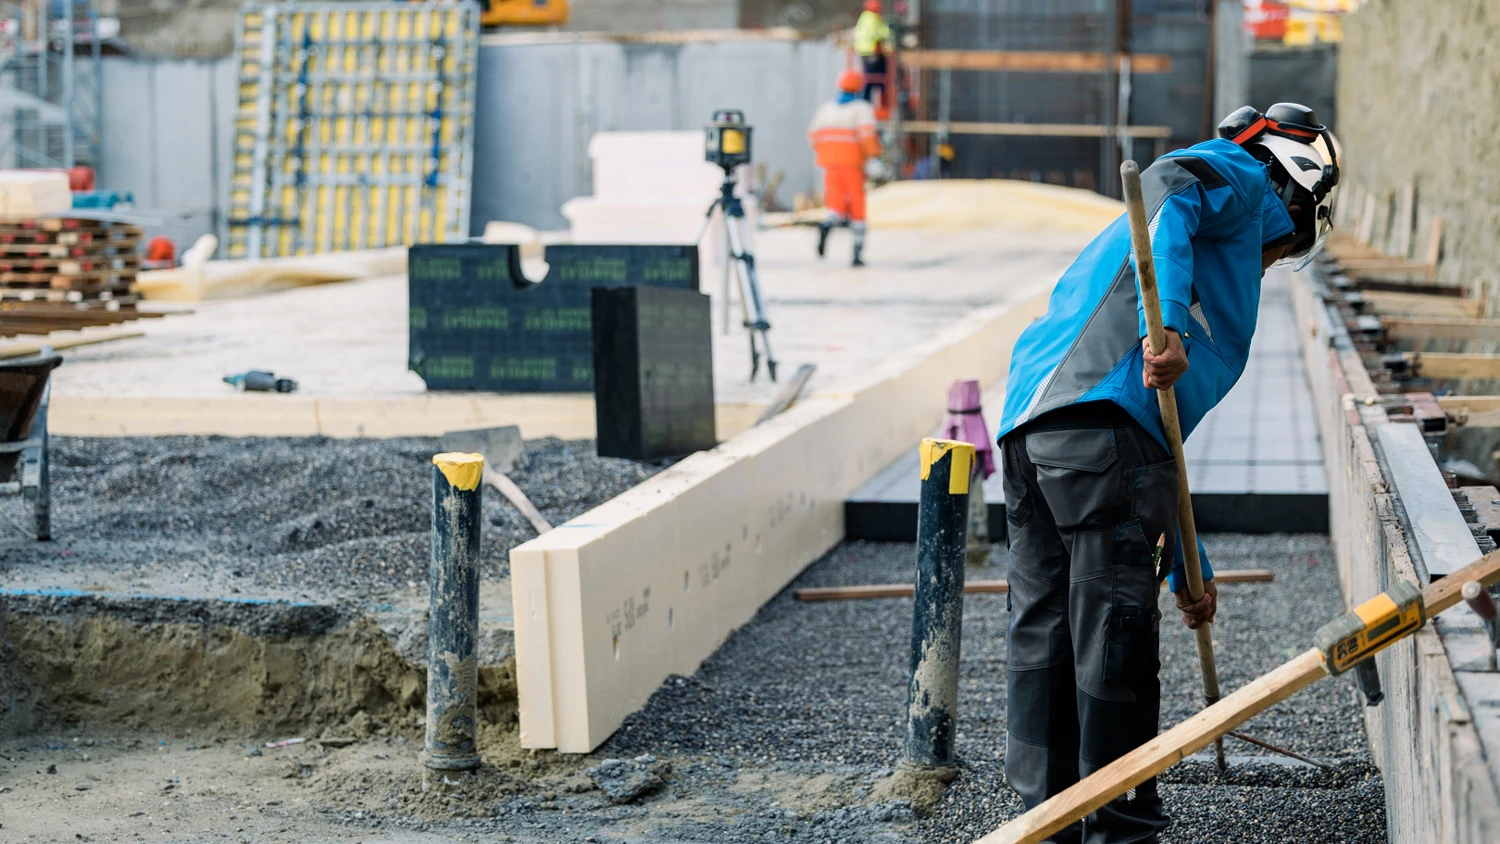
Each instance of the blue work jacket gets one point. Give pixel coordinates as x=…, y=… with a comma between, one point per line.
x=1211, y=209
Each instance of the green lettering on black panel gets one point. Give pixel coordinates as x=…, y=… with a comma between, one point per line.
x=466, y=303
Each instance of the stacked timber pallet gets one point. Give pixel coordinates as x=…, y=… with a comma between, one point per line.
x=65, y=273
x=63, y=259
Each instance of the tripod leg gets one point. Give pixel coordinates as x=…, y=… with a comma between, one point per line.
x=731, y=238
x=755, y=307
x=724, y=286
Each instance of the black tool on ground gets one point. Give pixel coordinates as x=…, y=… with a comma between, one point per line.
x=727, y=144
x=260, y=381
x=25, y=392
x=653, y=372
x=937, y=617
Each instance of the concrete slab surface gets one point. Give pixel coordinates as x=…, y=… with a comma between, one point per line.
x=347, y=343
x=1255, y=462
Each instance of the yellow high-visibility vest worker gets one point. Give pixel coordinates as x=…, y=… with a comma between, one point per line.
x=872, y=39
x=871, y=31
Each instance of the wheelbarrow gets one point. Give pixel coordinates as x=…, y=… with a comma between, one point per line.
x=25, y=388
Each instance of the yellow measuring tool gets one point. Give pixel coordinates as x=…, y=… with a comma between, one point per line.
x=1370, y=627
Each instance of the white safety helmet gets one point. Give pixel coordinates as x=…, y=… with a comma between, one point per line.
x=1301, y=156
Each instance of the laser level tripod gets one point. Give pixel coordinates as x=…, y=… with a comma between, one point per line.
x=728, y=146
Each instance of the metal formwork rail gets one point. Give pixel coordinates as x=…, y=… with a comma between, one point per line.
x=354, y=127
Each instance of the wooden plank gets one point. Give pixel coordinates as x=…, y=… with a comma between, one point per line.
x=1485, y=413
x=1041, y=130
x=1417, y=304
x=1162, y=752
x=1365, y=231
x=810, y=594
x=1399, y=285
x=1440, y=328
x=1435, y=242
x=1343, y=209
x=507, y=487
x=1451, y=365
x=1034, y=61
x=1402, y=222
x=1346, y=247
x=1380, y=263
x=787, y=396
x=31, y=347
x=1197, y=732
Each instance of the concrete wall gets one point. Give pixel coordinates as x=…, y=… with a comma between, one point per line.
x=166, y=138
x=540, y=103
x=168, y=124
x=651, y=15
x=1439, y=722
x=1419, y=102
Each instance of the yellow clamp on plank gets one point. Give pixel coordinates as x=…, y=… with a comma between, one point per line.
x=1370, y=627
x=933, y=450
x=462, y=470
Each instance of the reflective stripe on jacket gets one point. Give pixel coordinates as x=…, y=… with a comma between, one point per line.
x=843, y=134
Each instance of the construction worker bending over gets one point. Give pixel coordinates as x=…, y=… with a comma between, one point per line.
x=872, y=38
x=843, y=137
x=1089, y=482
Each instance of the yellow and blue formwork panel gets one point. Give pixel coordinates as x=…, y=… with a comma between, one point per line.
x=354, y=128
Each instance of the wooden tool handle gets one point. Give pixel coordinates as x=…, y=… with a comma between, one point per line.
x=1156, y=335
x=1145, y=263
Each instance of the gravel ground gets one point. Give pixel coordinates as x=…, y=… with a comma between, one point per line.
x=298, y=517
x=810, y=684
x=782, y=735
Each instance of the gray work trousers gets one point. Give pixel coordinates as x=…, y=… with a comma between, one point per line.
x=1087, y=494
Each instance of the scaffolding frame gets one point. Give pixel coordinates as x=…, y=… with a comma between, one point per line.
x=354, y=127
x=51, y=94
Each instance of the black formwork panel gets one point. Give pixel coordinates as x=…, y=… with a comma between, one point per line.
x=653, y=372
x=477, y=323
x=1178, y=28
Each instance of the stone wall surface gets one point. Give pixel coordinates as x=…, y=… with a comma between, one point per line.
x=1419, y=103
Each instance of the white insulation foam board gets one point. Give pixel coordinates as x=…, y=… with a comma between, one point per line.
x=649, y=584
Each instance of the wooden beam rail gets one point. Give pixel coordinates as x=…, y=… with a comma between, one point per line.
x=1043, y=130
x=1034, y=61
x=1440, y=328
x=1419, y=304
x=1446, y=365
x=809, y=594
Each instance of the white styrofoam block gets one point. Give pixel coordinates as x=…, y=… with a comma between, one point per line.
x=703, y=545
x=34, y=193
x=662, y=165
x=595, y=219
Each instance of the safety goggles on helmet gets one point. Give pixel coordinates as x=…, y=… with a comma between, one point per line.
x=1302, y=156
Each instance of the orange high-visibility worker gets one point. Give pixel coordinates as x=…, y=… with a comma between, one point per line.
x=843, y=136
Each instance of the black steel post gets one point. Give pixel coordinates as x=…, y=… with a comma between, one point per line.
x=453, y=626
x=936, y=630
